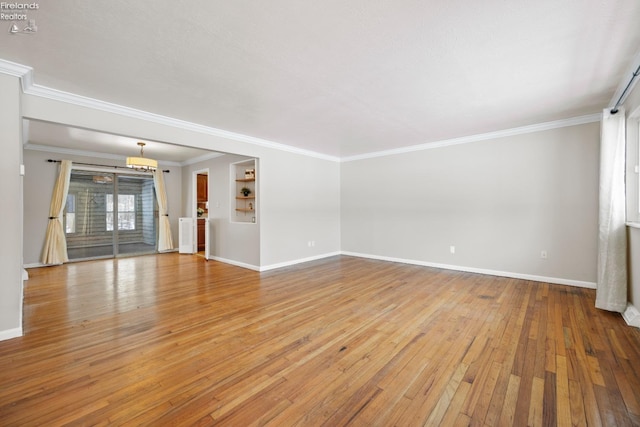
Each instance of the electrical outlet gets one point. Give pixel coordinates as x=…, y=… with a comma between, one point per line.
x=543, y=254
x=452, y=249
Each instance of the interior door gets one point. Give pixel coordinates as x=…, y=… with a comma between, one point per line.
x=207, y=240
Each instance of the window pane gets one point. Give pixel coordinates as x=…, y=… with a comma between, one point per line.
x=126, y=203
x=109, y=203
x=126, y=211
x=126, y=221
x=109, y=221
x=70, y=216
x=71, y=203
x=70, y=226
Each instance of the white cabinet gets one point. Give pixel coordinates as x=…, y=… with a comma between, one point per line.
x=186, y=232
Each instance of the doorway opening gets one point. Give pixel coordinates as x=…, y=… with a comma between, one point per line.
x=202, y=210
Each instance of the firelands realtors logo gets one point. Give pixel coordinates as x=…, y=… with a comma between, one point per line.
x=20, y=17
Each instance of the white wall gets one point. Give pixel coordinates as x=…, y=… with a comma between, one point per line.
x=39, y=180
x=229, y=241
x=299, y=195
x=299, y=202
x=11, y=195
x=499, y=202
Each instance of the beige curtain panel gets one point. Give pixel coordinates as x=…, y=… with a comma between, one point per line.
x=165, y=242
x=55, y=243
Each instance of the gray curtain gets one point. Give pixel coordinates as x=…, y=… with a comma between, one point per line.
x=611, y=291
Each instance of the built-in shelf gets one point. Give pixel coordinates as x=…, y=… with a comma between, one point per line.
x=244, y=175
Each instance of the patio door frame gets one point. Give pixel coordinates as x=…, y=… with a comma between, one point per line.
x=115, y=235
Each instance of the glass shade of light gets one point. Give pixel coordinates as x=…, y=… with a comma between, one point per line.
x=142, y=163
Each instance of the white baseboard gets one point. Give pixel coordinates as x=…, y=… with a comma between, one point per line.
x=272, y=266
x=512, y=275
x=535, y=278
x=632, y=316
x=35, y=265
x=10, y=333
x=236, y=263
x=297, y=261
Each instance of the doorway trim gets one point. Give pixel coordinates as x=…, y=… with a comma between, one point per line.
x=194, y=207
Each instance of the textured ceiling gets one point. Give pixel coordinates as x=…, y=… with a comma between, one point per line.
x=341, y=78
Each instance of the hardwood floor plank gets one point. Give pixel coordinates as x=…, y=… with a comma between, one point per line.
x=618, y=406
x=563, y=405
x=537, y=401
x=509, y=407
x=629, y=394
x=588, y=391
x=578, y=416
x=559, y=330
x=550, y=340
x=481, y=393
x=499, y=391
x=549, y=402
x=594, y=371
x=173, y=340
x=526, y=383
x=454, y=411
x=437, y=414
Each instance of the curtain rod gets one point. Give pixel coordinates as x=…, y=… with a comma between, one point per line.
x=102, y=166
x=614, y=110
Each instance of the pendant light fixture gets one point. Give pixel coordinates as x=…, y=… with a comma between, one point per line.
x=142, y=163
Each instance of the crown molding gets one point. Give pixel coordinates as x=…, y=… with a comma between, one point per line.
x=24, y=72
x=82, y=101
x=26, y=75
x=590, y=118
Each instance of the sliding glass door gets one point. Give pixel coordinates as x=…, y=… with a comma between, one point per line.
x=110, y=214
x=132, y=214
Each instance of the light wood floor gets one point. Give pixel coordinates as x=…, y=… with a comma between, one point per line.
x=174, y=340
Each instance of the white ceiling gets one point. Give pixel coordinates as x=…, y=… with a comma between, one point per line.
x=340, y=78
x=65, y=139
